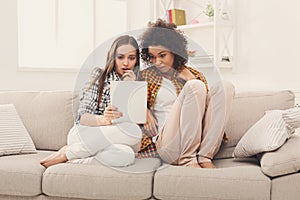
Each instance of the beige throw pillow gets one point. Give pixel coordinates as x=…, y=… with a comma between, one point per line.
x=268, y=134
x=14, y=138
x=284, y=160
x=292, y=118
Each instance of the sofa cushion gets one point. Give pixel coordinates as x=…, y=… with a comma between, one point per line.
x=267, y=134
x=21, y=175
x=14, y=138
x=47, y=116
x=286, y=187
x=284, y=160
x=247, y=109
x=100, y=182
x=231, y=180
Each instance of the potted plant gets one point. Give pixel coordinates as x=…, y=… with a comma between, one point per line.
x=209, y=10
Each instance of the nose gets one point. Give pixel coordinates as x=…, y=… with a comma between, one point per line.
x=157, y=61
x=125, y=61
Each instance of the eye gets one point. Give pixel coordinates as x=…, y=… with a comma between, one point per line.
x=151, y=57
x=132, y=57
x=162, y=55
x=120, y=56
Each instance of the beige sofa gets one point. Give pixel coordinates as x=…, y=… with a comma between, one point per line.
x=48, y=116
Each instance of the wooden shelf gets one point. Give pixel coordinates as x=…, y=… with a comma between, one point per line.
x=199, y=25
x=217, y=37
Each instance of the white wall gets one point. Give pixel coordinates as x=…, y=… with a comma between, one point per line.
x=268, y=39
x=268, y=42
x=10, y=77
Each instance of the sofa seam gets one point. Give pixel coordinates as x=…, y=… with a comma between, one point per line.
x=217, y=178
x=79, y=175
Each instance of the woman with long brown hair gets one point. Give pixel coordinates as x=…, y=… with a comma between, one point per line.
x=94, y=137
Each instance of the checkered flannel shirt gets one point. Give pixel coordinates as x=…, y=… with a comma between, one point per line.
x=89, y=99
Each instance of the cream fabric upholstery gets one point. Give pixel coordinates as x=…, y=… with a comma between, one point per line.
x=21, y=175
x=247, y=109
x=267, y=134
x=100, y=182
x=283, y=161
x=286, y=187
x=292, y=118
x=229, y=181
x=47, y=116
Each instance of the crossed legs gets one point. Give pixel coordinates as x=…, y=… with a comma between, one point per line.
x=110, y=145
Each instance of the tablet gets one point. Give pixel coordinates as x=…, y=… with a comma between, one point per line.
x=130, y=97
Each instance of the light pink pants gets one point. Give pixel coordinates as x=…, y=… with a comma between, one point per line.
x=195, y=126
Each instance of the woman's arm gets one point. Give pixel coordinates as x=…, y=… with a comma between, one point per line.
x=88, y=119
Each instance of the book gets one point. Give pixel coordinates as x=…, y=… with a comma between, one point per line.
x=170, y=16
x=130, y=97
x=177, y=16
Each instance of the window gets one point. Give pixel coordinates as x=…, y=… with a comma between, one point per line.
x=60, y=34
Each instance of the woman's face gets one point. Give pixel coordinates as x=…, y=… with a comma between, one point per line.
x=161, y=57
x=126, y=59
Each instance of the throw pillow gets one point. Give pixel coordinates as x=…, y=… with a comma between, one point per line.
x=14, y=138
x=267, y=134
x=292, y=118
x=284, y=160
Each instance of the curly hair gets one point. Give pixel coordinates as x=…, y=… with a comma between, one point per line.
x=164, y=34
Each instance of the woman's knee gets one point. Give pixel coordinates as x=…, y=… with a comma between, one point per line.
x=73, y=135
x=195, y=85
x=228, y=87
x=116, y=155
x=223, y=87
x=132, y=133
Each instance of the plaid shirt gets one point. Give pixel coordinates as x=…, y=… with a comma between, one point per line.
x=89, y=99
x=154, y=79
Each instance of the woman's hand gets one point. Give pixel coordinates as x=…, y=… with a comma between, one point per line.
x=151, y=124
x=186, y=75
x=128, y=76
x=111, y=113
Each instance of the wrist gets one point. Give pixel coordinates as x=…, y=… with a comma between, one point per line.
x=103, y=121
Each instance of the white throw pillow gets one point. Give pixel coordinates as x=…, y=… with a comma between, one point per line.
x=14, y=138
x=292, y=118
x=268, y=134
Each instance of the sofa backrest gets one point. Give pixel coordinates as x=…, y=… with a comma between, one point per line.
x=247, y=109
x=47, y=115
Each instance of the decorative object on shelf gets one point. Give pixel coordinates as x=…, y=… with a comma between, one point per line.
x=210, y=23
x=209, y=11
x=191, y=53
x=177, y=16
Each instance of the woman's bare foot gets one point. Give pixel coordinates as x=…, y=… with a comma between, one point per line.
x=55, y=158
x=207, y=165
x=194, y=165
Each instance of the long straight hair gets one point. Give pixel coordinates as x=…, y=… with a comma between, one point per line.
x=110, y=61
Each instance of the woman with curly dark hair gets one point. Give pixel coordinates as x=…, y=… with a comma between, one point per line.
x=185, y=119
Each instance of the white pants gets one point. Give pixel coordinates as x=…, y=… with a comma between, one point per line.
x=111, y=145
